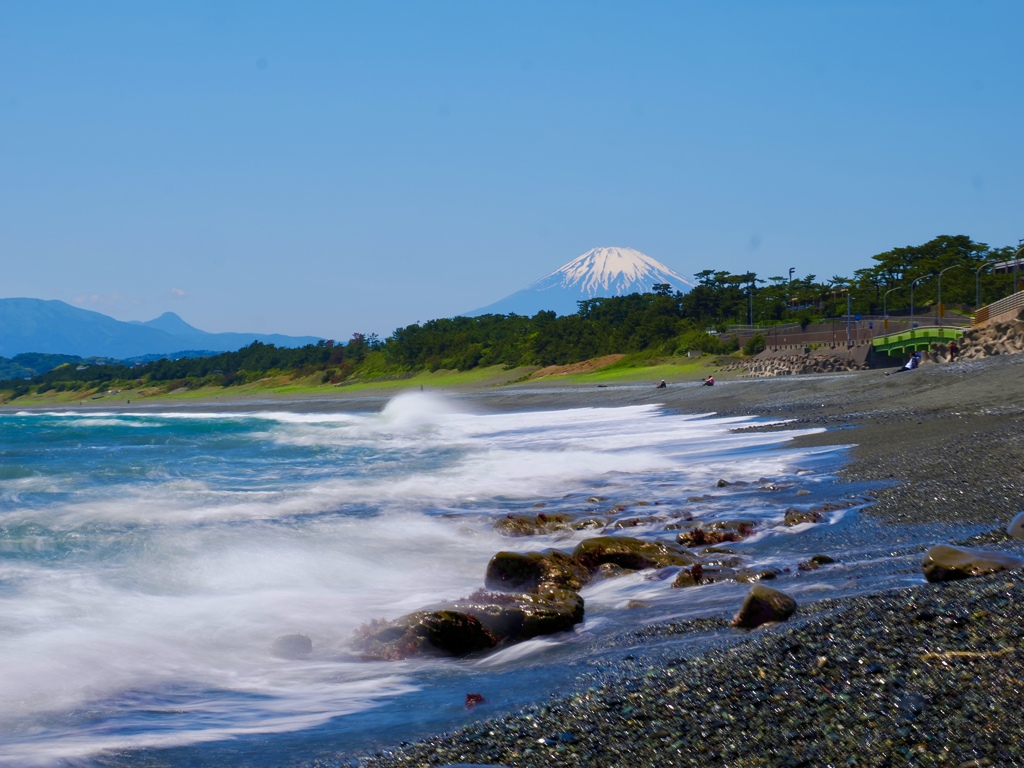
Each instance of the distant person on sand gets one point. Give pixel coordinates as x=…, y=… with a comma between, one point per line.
x=709, y=382
x=953, y=349
x=911, y=364
x=662, y=385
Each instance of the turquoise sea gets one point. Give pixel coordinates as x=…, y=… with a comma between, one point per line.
x=149, y=559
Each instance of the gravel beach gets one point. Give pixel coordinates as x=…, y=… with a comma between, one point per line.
x=929, y=675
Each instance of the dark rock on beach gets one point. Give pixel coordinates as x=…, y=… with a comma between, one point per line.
x=762, y=605
x=945, y=563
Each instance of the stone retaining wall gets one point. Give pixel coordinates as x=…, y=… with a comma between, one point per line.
x=999, y=337
x=823, y=360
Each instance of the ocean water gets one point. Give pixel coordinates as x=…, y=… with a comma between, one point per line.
x=149, y=559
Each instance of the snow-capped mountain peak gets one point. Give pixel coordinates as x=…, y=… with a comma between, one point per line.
x=600, y=272
x=612, y=272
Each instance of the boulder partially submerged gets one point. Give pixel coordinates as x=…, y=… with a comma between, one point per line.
x=627, y=552
x=531, y=571
x=516, y=617
x=292, y=647
x=450, y=633
x=947, y=563
x=536, y=593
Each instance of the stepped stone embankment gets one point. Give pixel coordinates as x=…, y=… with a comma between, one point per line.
x=772, y=363
x=1000, y=337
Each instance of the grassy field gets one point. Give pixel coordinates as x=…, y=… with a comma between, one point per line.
x=676, y=369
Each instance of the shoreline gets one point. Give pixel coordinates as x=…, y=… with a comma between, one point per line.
x=921, y=676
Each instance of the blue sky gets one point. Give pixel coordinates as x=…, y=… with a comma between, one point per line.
x=324, y=168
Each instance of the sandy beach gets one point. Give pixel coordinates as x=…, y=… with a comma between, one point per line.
x=923, y=676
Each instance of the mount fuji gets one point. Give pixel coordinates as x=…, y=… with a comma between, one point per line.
x=600, y=272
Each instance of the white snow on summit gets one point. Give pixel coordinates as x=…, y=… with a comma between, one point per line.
x=611, y=271
x=598, y=273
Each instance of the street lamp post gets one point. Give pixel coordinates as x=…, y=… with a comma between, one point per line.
x=940, y=310
x=848, y=340
x=885, y=313
x=912, y=284
x=1016, y=258
x=977, y=284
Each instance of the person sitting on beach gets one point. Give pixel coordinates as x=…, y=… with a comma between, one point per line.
x=709, y=382
x=910, y=365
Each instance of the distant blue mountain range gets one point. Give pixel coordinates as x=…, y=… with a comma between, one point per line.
x=55, y=327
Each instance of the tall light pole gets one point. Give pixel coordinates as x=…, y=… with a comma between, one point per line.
x=885, y=313
x=977, y=284
x=941, y=312
x=1016, y=258
x=848, y=344
x=912, y=284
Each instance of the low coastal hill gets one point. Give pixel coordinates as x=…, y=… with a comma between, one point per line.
x=55, y=327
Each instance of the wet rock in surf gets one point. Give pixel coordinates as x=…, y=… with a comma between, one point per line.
x=292, y=647
x=1015, y=529
x=698, y=574
x=610, y=571
x=762, y=605
x=529, y=571
x=587, y=524
x=814, y=563
x=451, y=633
x=533, y=525
x=716, y=533
x=796, y=516
x=750, y=575
x=627, y=552
x=513, y=617
x=633, y=522
x=946, y=563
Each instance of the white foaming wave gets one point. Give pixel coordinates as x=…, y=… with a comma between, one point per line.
x=515, y=458
x=521, y=651
x=219, y=717
x=201, y=609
